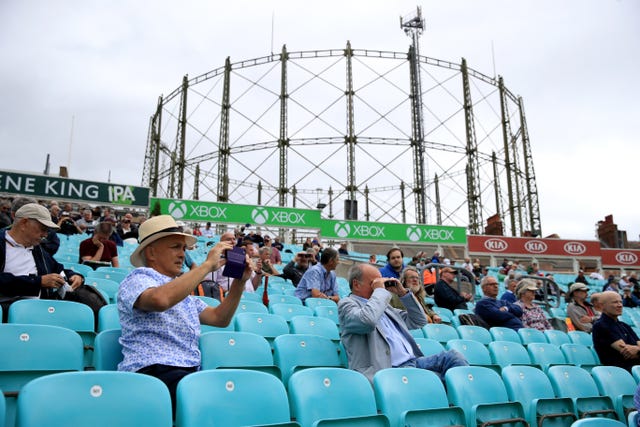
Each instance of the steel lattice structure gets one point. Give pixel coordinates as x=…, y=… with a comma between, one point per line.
x=412, y=139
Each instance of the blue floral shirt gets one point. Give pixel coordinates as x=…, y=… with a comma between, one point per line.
x=168, y=338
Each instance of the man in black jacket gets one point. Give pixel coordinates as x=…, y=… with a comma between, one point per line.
x=26, y=270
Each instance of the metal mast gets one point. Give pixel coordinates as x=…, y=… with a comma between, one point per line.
x=530, y=176
x=182, y=131
x=283, y=141
x=413, y=28
x=350, y=138
x=223, y=144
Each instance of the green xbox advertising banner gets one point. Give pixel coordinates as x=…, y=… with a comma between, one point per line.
x=226, y=213
x=393, y=232
x=55, y=187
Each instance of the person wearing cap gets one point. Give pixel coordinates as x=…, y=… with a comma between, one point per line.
x=395, y=264
x=581, y=278
x=615, y=342
x=445, y=295
x=376, y=335
x=299, y=265
x=532, y=314
x=27, y=270
x=579, y=310
x=99, y=247
x=274, y=254
x=494, y=311
x=160, y=320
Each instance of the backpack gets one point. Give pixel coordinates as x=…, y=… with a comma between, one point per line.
x=90, y=296
x=473, y=320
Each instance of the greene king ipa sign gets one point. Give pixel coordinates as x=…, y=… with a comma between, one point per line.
x=55, y=187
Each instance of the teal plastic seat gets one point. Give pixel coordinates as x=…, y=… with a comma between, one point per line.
x=428, y=346
x=579, y=355
x=532, y=388
x=31, y=351
x=108, y=351
x=240, y=350
x=391, y=388
x=505, y=353
x=333, y=397
x=78, y=268
x=328, y=312
x=475, y=333
x=246, y=306
x=416, y=333
x=618, y=384
x=598, y=422
x=265, y=324
x=67, y=314
x=117, y=277
x=443, y=311
x=635, y=371
x=315, y=326
x=288, y=311
x=251, y=296
x=231, y=397
x=299, y=351
x=500, y=333
x=95, y=398
x=545, y=355
x=108, y=318
x=440, y=332
x=581, y=337
x=480, y=392
x=108, y=286
x=576, y=383
x=475, y=353
x=556, y=337
x=315, y=302
x=531, y=335
x=284, y=299
x=210, y=301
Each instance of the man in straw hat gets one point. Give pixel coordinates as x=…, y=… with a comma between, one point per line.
x=160, y=320
x=26, y=270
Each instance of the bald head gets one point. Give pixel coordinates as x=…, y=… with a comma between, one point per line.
x=611, y=303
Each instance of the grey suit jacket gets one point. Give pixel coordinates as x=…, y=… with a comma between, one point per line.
x=364, y=341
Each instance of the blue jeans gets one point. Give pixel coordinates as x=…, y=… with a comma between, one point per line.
x=438, y=363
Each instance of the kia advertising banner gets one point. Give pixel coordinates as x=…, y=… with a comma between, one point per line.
x=532, y=246
x=629, y=258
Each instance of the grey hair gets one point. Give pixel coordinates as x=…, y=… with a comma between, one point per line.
x=404, y=272
x=355, y=273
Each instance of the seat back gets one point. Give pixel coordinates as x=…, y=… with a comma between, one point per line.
x=230, y=349
x=108, y=350
x=95, y=398
x=108, y=318
x=618, y=384
x=265, y=324
x=230, y=397
x=531, y=335
x=288, y=311
x=532, y=388
x=500, y=333
x=545, y=354
x=108, y=286
x=440, y=332
x=392, y=386
x=505, y=353
x=475, y=333
x=578, y=354
x=111, y=275
x=328, y=312
x=556, y=337
x=296, y=351
x=284, y=299
x=333, y=393
x=246, y=306
x=316, y=326
x=581, y=337
x=428, y=346
x=598, y=422
x=66, y=314
x=473, y=351
x=316, y=302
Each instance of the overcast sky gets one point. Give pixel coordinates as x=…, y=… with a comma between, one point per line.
x=104, y=64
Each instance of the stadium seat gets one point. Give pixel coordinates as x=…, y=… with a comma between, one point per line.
x=428, y=346
x=288, y=311
x=298, y=351
x=475, y=353
x=529, y=335
x=635, y=371
x=328, y=312
x=31, y=351
x=78, y=268
x=239, y=350
x=581, y=337
x=545, y=355
x=231, y=398
x=576, y=383
x=95, y=398
x=315, y=302
x=505, y=353
x=315, y=326
x=618, y=384
x=108, y=318
x=475, y=333
x=598, y=422
x=67, y=314
x=557, y=337
x=115, y=276
x=246, y=306
x=392, y=387
x=268, y=325
x=340, y=397
x=500, y=333
x=284, y=299
x=532, y=388
x=480, y=392
x=251, y=296
x=108, y=351
x=108, y=286
x=442, y=311
x=440, y=332
x=632, y=419
x=210, y=301
x=416, y=333
x=579, y=355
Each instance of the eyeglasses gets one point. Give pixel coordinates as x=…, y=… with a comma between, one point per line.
x=491, y=284
x=412, y=277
